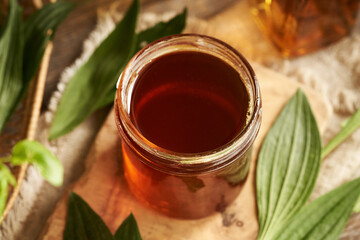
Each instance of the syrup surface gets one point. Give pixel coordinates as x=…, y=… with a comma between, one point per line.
x=189, y=102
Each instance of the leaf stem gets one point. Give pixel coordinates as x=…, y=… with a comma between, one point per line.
x=349, y=127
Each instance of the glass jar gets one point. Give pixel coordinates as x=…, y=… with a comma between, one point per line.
x=297, y=27
x=186, y=185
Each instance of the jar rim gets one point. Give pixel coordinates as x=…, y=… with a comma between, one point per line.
x=171, y=160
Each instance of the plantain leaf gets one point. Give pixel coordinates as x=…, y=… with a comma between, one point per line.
x=288, y=165
x=349, y=127
x=39, y=28
x=22, y=47
x=128, y=230
x=46, y=163
x=6, y=178
x=82, y=223
x=325, y=217
x=357, y=206
x=11, y=57
x=162, y=29
x=95, y=79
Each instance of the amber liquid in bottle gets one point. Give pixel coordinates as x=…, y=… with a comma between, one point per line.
x=187, y=102
x=297, y=27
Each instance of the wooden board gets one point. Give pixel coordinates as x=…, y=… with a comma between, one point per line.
x=104, y=188
x=103, y=185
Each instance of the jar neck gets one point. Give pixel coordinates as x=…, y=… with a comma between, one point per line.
x=185, y=163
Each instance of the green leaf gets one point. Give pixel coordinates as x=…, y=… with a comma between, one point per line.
x=11, y=58
x=350, y=125
x=96, y=77
x=288, y=165
x=6, y=178
x=128, y=230
x=39, y=28
x=324, y=218
x=162, y=29
x=35, y=153
x=82, y=223
x=22, y=46
x=357, y=206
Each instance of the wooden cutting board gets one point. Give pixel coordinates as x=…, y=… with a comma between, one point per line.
x=104, y=188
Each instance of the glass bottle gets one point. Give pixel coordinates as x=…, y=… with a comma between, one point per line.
x=297, y=27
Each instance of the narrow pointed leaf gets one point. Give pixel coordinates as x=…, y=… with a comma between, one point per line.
x=349, y=127
x=39, y=28
x=95, y=79
x=357, y=206
x=128, y=230
x=162, y=29
x=174, y=26
x=44, y=161
x=22, y=46
x=11, y=58
x=6, y=178
x=324, y=218
x=82, y=223
x=288, y=165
